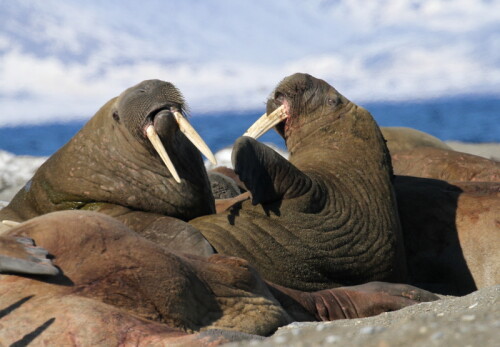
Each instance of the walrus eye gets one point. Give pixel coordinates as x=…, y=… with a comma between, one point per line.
x=116, y=116
x=334, y=101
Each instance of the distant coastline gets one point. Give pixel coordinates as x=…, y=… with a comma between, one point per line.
x=468, y=119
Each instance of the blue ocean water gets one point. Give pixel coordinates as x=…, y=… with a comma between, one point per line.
x=467, y=119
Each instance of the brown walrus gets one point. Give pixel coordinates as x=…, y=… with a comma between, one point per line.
x=112, y=162
x=447, y=165
x=449, y=212
x=327, y=216
x=451, y=233
x=415, y=153
x=116, y=287
x=116, y=165
x=400, y=139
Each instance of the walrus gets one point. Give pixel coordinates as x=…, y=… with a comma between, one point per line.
x=115, y=286
x=451, y=233
x=138, y=160
x=327, y=216
x=444, y=164
x=400, y=139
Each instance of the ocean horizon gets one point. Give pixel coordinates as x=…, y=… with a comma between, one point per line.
x=473, y=119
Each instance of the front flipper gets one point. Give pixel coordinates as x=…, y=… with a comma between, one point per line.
x=266, y=174
x=366, y=300
x=20, y=255
x=359, y=301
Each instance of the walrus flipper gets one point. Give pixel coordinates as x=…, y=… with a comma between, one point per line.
x=365, y=300
x=20, y=255
x=265, y=173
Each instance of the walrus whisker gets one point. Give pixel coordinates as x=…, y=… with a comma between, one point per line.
x=193, y=136
x=266, y=122
x=158, y=146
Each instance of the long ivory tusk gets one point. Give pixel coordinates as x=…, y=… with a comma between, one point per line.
x=194, y=137
x=156, y=142
x=10, y=223
x=266, y=122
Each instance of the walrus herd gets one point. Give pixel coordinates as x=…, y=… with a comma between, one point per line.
x=118, y=238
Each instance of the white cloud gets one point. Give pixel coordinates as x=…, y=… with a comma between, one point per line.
x=62, y=60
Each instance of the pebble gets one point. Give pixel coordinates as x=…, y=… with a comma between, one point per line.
x=468, y=317
x=371, y=330
x=280, y=339
x=437, y=336
x=296, y=332
x=320, y=327
x=473, y=305
x=332, y=339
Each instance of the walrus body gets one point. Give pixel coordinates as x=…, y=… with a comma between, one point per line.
x=401, y=139
x=451, y=233
x=327, y=216
x=115, y=286
x=109, y=166
x=447, y=165
x=449, y=206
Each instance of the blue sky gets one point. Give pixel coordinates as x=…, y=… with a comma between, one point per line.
x=62, y=60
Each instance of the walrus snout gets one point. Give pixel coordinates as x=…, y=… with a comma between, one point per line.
x=163, y=121
x=162, y=124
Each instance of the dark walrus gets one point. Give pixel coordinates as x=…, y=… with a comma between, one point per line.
x=116, y=165
x=327, y=216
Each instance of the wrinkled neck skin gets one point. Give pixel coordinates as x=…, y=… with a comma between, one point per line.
x=355, y=167
x=328, y=217
x=340, y=148
x=105, y=164
x=354, y=139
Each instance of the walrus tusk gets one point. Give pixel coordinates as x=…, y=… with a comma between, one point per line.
x=10, y=223
x=266, y=122
x=156, y=142
x=194, y=137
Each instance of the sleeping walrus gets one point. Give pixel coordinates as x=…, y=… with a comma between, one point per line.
x=447, y=165
x=327, y=216
x=116, y=287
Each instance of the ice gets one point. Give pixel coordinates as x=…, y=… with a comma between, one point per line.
x=15, y=171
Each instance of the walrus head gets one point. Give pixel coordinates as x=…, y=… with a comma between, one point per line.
x=301, y=105
x=150, y=110
x=118, y=158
